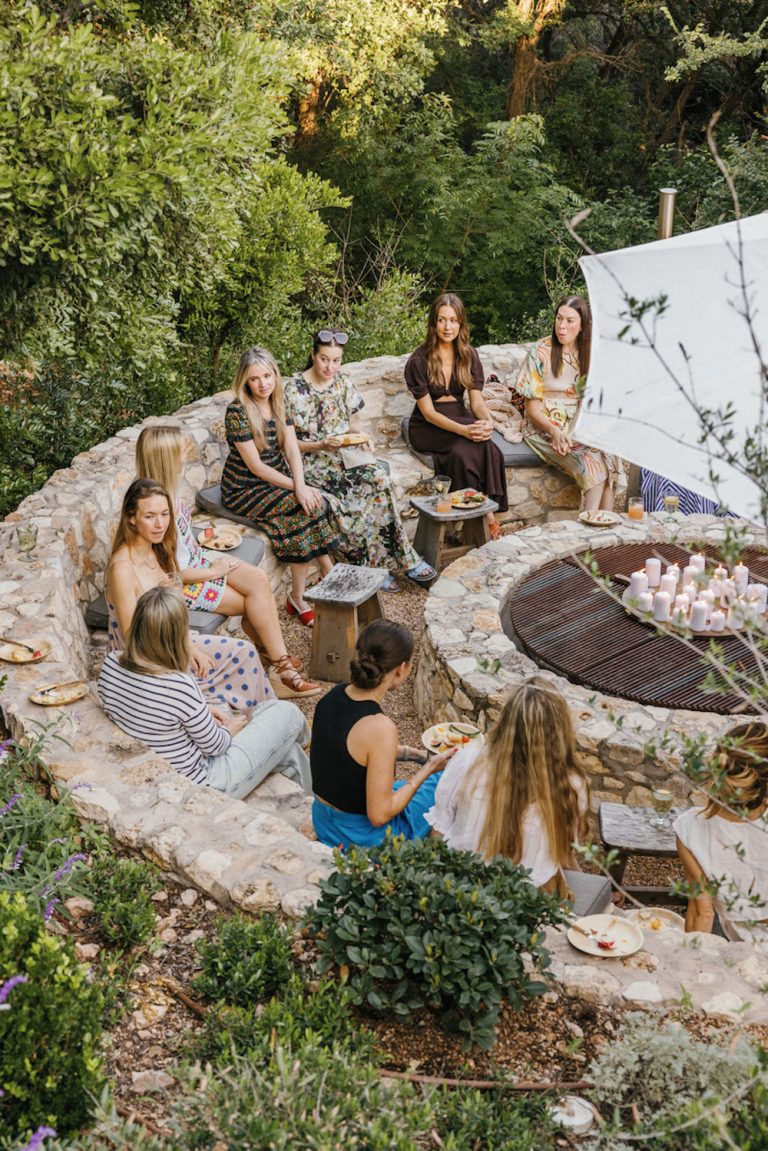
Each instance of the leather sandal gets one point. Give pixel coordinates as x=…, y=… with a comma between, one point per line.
x=494, y=530
x=307, y=617
x=292, y=681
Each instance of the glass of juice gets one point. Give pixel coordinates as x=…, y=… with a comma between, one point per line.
x=635, y=509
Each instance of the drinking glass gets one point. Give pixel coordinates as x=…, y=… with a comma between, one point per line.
x=662, y=799
x=441, y=485
x=635, y=509
x=671, y=504
x=26, y=534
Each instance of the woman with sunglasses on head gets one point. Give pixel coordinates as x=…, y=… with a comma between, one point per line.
x=323, y=403
x=264, y=479
x=459, y=440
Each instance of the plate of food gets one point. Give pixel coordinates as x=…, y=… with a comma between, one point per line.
x=657, y=920
x=467, y=498
x=606, y=936
x=220, y=539
x=350, y=439
x=443, y=736
x=600, y=519
x=57, y=694
x=14, y=651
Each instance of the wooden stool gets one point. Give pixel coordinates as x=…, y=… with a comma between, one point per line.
x=430, y=530
x=344, y=601
x=627, y=829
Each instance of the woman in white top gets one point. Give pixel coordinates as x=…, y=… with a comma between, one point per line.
x=524, y=795
x=148, y=692
x=724, y=846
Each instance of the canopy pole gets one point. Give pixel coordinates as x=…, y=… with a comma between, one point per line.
x=667, y=199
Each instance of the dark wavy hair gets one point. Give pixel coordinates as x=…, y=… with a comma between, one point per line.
x=584, y=340
x=381, y=646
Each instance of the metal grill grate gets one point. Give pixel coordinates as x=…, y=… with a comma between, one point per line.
x=564, y=621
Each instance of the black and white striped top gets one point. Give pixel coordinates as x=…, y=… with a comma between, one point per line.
x=167, y=712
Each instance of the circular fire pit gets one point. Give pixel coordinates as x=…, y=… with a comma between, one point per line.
x=559, y=616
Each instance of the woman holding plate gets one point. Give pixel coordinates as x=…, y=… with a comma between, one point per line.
x=549, y=384
x=355, y=748
x=323, y=404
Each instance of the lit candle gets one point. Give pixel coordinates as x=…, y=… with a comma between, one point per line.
x=669, y=584
x=638, y=583
x=720, y=572
x=727, y=593
x=708, y=599
x=681, y=601
x=661, y=606
x=716, y=587
x=645, y=601
x=735, y=616
x=689, y=574
x=758, y=592
x=698, y=561
x=717, y=623
x=680, y=615
x=698, y=616
x=674, y=570
x=741, y=578
x=689, y=589
x=653, y=571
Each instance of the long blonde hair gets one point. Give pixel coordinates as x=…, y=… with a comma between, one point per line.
x=160, y=456
x=242, y=393
x=126, y=532
x=158, y=636
x=530, y=757
x=741, y=770
x=462, y=350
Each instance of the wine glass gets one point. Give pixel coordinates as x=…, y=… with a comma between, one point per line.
x=671, y=504
x=661, y=798
x=441, y=486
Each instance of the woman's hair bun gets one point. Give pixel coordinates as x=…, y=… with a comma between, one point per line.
x=366, y=672
x=381, y=646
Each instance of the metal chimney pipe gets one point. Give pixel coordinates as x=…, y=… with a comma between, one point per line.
x=667, y=199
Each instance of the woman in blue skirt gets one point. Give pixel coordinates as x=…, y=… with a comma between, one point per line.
x=355, y=748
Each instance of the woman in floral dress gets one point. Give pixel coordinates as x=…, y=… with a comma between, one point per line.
x=548, y=383
x=322, y=403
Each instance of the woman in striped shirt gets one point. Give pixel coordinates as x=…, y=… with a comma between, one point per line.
x=148, y=692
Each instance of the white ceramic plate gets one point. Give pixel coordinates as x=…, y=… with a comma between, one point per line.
x=657, y=920
x=350, y=439
x=224, y=540
x=600, y=519
x=442, y=736
x=57, y=694
x=626, y=936
x=469, y=498
x=18, y=653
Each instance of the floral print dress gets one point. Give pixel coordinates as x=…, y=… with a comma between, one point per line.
x=362, y=501
x=206, y=594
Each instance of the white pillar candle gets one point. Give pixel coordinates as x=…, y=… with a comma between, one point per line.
x=717, y=623
x=720, y=572
x=735, y=619
x=661, y=606
x=708, y=599
x=682, y=601
x=691, y=591
x=698, y=561
x=668, y=584
x=689, y=574
x=727, y=593
x=698, y=615
x=673, y=570
x=653, y=571
x=716, y=587
x=680, y=615
x=741, y=578
x=638, y=583
x=758, y=593
x=645, y=601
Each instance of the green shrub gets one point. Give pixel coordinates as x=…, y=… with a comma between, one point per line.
x=419, y=925
x=49, y=1029
x=121, y=890
x=497, y=1121
x=248, y=960
x=303, y=1099
x=300, y=1015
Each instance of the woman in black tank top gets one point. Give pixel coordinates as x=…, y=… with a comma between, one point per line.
x=355, y=748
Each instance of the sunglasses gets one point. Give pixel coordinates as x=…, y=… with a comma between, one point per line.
x=326, y=336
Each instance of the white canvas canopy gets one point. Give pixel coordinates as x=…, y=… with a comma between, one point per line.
x=649, y=376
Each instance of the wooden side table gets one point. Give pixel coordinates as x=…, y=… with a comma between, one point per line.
x=344, y=601
x=627, y=829
x=430, y=530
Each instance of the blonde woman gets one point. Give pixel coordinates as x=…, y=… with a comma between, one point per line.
x=144, y=557
x=524, y=795
x=263, y=476
x=226, y=585
x=148, y=692
x=724, y=846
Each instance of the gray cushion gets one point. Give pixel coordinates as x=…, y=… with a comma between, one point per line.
x=209, y=500
x=515, y=455
x=591, y=893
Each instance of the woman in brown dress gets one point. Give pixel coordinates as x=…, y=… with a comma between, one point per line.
x=438, y=374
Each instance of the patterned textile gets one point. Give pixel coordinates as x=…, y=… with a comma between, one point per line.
x=237, y=678
x=654, y=487
x=206, y=595
x=295, y=535
x=363, y=505
x=586, y=466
